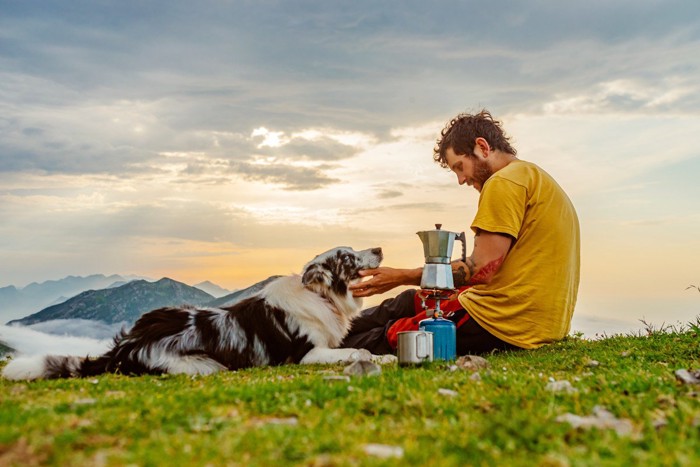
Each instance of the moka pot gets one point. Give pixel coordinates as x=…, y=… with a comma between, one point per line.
x=437, y=249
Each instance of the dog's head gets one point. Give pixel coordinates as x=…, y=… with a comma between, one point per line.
x=330, y=273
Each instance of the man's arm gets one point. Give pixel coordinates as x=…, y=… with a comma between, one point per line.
x=490, y=250
x=384, y=279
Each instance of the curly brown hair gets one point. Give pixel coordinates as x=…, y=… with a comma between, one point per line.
x=461, y=133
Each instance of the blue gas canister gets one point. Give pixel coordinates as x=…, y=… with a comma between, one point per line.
x=444, y=337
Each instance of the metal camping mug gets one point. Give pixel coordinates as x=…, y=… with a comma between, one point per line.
x=415, y=347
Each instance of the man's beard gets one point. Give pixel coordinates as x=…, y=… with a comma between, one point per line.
x=482, y=172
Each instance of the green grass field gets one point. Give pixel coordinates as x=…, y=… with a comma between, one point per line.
x=435, y=415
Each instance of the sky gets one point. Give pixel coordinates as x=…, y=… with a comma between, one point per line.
x=233, y=140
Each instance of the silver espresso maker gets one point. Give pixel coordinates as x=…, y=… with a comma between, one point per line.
x=437, y=248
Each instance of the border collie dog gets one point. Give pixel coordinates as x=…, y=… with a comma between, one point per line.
x=293, y=319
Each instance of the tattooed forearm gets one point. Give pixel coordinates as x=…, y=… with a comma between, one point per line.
x=465, y=273
x=459, y=276
x=485, y=274
x=462, y=271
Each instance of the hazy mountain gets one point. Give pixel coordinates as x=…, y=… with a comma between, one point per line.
x=18, y=302
x=70, y=286
x=212, y=289
x=239, y=295
x=121, y=304
x=10, y=296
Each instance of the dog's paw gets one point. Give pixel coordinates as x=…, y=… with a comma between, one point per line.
x=360, y=355
x=387, y=359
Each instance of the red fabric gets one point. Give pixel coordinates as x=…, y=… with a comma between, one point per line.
x=401, y=325
x=411, y=323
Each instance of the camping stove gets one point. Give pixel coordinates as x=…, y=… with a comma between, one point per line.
x=437, y=285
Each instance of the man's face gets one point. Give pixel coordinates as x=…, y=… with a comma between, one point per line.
x=472, y=170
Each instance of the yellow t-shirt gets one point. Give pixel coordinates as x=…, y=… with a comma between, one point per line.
x=531, y=299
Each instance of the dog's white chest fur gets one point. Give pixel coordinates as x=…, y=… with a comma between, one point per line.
x=320, y=319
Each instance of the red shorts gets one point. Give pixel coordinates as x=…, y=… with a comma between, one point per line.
x=451, y=309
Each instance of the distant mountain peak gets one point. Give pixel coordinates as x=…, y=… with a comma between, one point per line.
x=21, y=301
x=109, y=298
x=212, y=289
x=239, y=295
x=125, y=303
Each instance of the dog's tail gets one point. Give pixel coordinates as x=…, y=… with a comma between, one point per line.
x=54, y=367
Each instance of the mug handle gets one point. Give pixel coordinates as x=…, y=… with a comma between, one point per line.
x=422, y=344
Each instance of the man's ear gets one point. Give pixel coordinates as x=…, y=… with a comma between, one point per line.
x=482, y=147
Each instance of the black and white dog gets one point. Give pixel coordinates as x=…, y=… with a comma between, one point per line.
x=293, y=319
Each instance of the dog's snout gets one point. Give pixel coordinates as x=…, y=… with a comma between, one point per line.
x=377, y=251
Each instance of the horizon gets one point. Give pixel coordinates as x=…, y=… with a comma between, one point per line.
x=131, y=277
x=589, y=326
x=231, y=142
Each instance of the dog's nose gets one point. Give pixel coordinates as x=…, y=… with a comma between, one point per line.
x=376, y=251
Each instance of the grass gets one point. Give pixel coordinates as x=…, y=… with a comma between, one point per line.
x=295, y=415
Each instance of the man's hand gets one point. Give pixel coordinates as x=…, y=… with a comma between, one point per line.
x=384, y=279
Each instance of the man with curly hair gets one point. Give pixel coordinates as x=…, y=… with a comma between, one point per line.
x=518, y=288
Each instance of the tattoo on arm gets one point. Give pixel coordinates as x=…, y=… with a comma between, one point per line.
x=459, y=276
x=462, y=272
x=484, y=275
x=465, y=273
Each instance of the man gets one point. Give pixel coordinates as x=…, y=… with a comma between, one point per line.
x=518, y=288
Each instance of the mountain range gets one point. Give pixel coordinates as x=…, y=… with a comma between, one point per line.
x=16, y=302
x=126, y=303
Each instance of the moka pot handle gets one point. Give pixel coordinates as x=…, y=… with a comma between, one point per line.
x=462, y=238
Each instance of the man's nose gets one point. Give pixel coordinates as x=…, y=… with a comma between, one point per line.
x=461, y=179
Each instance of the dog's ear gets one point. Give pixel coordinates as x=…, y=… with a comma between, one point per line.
x=314, y=277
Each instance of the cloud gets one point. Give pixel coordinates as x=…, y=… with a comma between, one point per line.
x=319, y=149
x=389, y=194
x=623, y=95
x=87, y=95
x=120, y=141
x=29, y=341
x=291, y=177
x=79, y=328
x=79, y=137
